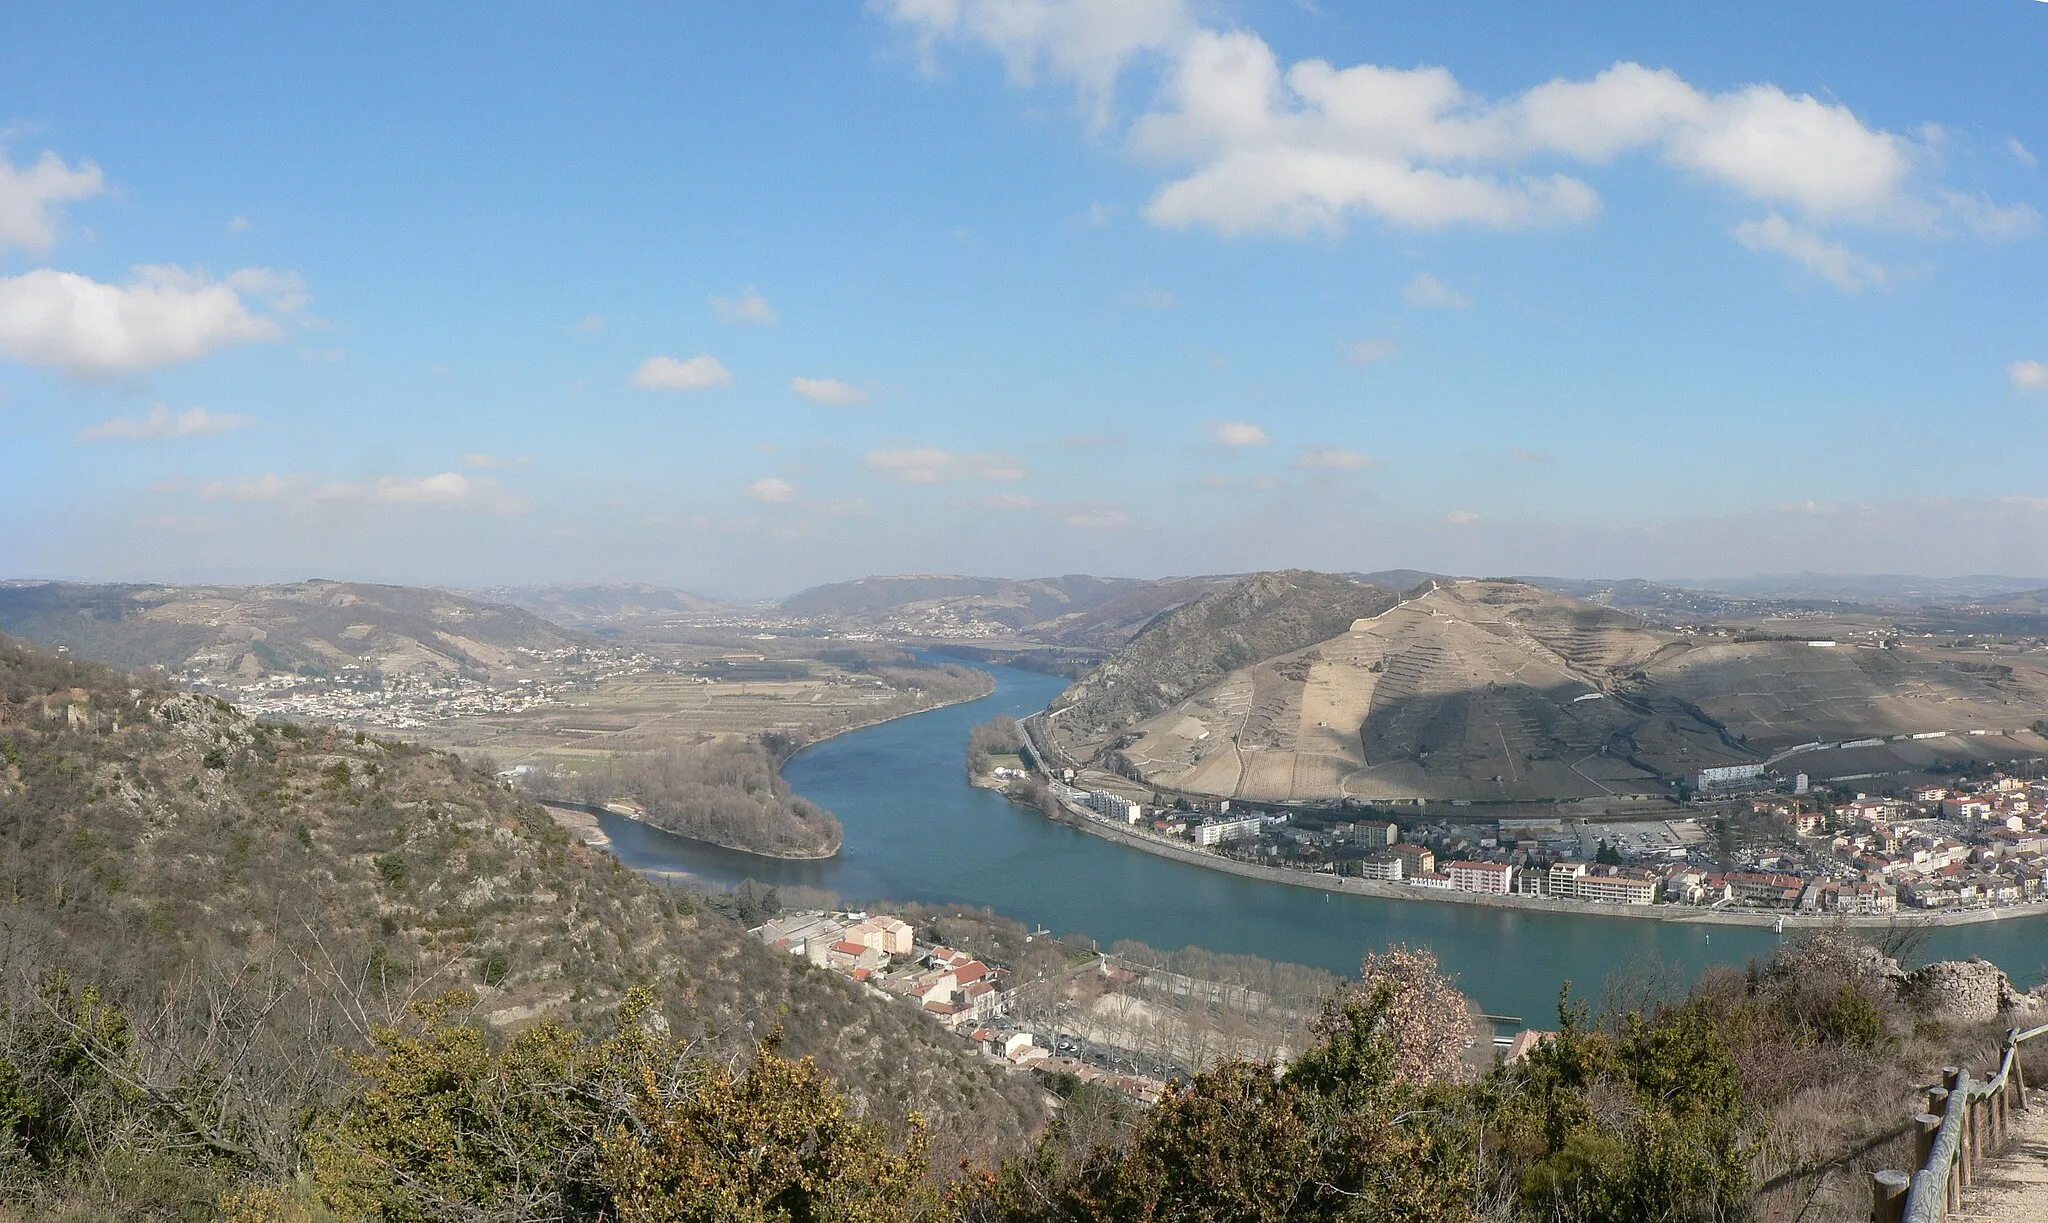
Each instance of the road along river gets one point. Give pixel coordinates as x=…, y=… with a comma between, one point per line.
x=916, y=831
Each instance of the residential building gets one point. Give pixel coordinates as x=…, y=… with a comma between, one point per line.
x=1375, y=832
x=1387, y=867
x=1487, y=878
x=1115, y=806
x=1217, y=830
x=1415, y=859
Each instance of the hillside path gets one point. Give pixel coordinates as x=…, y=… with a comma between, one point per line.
x=2014, y=1188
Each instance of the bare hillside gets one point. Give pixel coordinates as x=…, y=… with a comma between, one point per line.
x=1253, y=619
x=1498, y=690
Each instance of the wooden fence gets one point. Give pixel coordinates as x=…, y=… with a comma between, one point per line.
x=1966, y=1124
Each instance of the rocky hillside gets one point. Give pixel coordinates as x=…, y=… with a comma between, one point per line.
x=156, y=844
x=241, y=633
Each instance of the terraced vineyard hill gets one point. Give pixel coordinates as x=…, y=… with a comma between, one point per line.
x=1498, y=690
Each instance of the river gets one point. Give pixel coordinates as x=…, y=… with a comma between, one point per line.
x=916, y=831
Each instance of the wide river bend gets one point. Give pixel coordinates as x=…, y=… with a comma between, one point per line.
x=916, y=831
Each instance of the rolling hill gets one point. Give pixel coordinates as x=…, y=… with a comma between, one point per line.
x=255, y=895
x=1499, y=690
x=1073, y=610
x=597, y=605
x=242, y=633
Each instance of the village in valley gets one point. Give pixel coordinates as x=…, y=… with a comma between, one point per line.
x=1961, y=846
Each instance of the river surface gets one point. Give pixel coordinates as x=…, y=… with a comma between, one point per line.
x=916, y=831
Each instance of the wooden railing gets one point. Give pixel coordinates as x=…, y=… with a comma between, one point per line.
x=1967, y=1123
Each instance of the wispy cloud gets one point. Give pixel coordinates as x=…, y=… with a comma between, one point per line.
x=932, y=465
x=1237, y=433
x=2028, y=375
x=1084, y=515
x=1831, y=261
x=748, y=307
x=1426, y=292
x=699, y=373
x=160, y=422
x=1334, y=458
x=1461, y=518
x=450, y=489
x=830, y=392
x=1369, y=352
x=479, y=459
x=772, y=490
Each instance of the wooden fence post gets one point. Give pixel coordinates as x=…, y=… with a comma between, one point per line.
x=1926, y=1125
x=1888, y=1196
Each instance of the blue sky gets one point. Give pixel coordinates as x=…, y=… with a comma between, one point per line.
x=746, y=297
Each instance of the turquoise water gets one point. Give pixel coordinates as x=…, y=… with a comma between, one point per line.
x=915, y=830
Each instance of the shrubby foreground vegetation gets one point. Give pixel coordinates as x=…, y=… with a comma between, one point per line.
x=274, y=973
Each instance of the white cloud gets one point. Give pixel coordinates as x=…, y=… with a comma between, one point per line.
x=161, y=422
x=29, y=196
x=238, y=225
x=1083, y=42
x=1986, y=219
x=830, y=392
x=1237, y=433
x=1426, y=292
x=1831, y=261
x=700, y=372
x=484, y=461
x=1149, y=297
x=1253, y=144
x=2021, y=153
x=1095, y=517
x=1334, y=458
x=164, y=316
x=772, y=490
x=447, y=489
x=2029, y=375
x=748, y=307
x=1369, y=352
x=1088, y=515
x=1461, y=518
x=590, y=324
x=268, y=487
x=931, y=465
